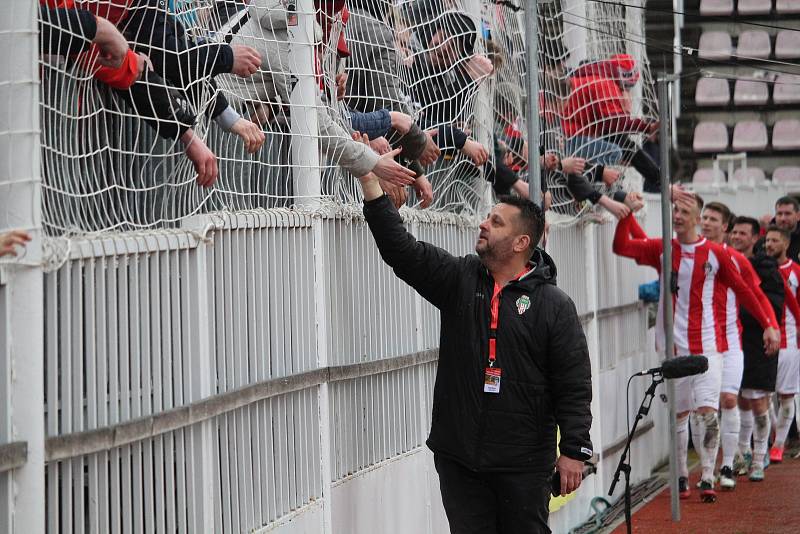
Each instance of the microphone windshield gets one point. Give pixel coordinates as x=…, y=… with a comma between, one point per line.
x=684, y=366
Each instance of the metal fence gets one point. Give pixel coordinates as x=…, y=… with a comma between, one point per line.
x=246, y=371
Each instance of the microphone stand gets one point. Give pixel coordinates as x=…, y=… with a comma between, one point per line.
x=624, y=466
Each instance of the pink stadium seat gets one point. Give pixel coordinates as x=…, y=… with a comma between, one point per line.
x=715, y=45
x=787, y=44
x=716, y=7
x=712, y=92
x=786, y=134
x=754, y=44
x=748, y=176
x=784, y=7
x=708, y=176
x=710, y=137
x=787, y=89
x=786, y=175
x=750, y=136
x=754, y=7
x=750, y=93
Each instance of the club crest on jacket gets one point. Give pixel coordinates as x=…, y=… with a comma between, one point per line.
x=523, y=303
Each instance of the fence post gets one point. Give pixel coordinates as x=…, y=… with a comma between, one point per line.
x=20, y=204
x=205, y=483
x=308, y=188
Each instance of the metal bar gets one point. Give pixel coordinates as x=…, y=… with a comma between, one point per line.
x=666, y=282
x=13, y=455
x=532, y=108
x=110, y=437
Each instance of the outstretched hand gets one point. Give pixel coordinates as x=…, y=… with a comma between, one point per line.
x=387, y=168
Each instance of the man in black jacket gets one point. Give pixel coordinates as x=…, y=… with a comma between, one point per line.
x=760, y=369
x=787, y=217
x=513, y=365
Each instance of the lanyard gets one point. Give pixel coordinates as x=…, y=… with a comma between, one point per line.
x=495, y=315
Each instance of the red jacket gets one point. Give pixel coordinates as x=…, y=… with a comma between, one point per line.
x=594, y=108
x=114, y=11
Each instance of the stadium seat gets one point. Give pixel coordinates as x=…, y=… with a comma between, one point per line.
x=787, y=89
x=786, y=175
x=712, y=92
x=748, y=176
x=785, y=7
x=708, y=176
x=786, y=134
x=716, y=7
x=750, y=93
x=715, y=45
x=710, y=137
x=754, y=44
x=750, y=136
x=787, y=44
x=754, y=7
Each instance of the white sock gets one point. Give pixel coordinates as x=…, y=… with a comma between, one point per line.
x=745, y=430
x=705, y=435
x=785, y=416
x=729, y=425
x=682, y=431
x=760, y=438
x=797, y=411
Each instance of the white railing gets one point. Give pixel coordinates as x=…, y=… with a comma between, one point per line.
x=245, y=371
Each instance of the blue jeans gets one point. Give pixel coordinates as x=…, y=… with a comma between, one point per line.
x=594, y=150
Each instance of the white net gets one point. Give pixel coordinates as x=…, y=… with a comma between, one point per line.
x=261, y=97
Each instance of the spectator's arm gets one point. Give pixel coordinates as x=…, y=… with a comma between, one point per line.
x=570, y=380
x=66, y=31
x=152, y=101
x=339, y=147
x=431, y=271
x=375, y=124
x=580, y=188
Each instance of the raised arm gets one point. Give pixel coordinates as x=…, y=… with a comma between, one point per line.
x=431, y=271
x=642, y=249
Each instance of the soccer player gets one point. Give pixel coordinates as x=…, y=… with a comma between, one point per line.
x=760, y=368
x=787, y=383
x=714, y=224
x=697, y=264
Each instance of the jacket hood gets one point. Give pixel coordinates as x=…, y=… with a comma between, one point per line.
x=545, y=267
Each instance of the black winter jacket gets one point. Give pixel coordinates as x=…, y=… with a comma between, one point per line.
x=761, y=370
x=546, y=373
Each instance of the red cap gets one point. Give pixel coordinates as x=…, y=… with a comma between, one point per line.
x=625, y=67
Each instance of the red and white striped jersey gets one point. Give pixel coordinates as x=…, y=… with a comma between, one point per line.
x=727, y=308
x=704, y=272
x=790, y=272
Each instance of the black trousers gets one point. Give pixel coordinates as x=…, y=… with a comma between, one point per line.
x=493, y=503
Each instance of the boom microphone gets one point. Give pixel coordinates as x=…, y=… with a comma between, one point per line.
x=679, y=367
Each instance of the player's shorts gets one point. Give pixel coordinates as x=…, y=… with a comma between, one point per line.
x=753, y=394
x=697, y=391
x=788, y=379
x=732, y=369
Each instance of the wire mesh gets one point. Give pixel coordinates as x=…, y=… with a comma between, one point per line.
x=240, y=91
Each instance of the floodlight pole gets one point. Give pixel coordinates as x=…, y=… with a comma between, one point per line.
x=665, y=143
x=532, y=107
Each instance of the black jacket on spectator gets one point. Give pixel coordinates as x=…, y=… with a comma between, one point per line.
x=546, y=373
x=761, y=370
x=794, y=244
x=65, y=32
